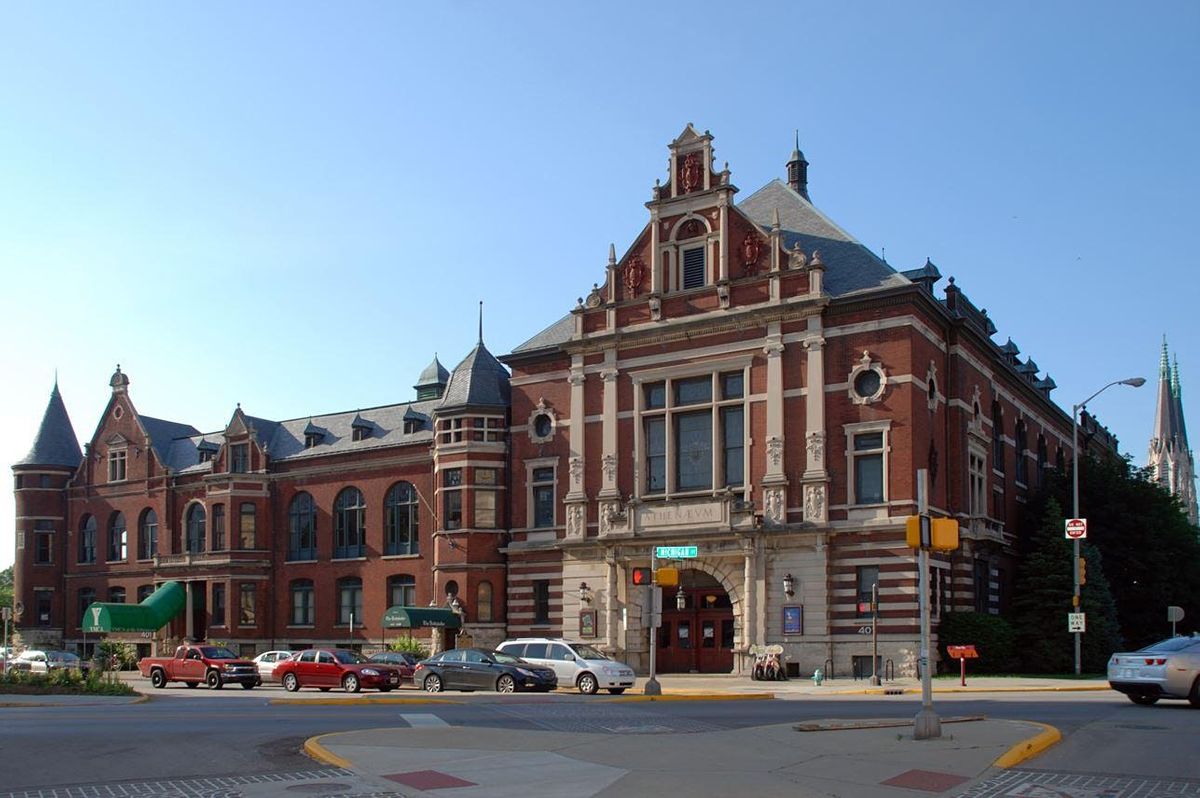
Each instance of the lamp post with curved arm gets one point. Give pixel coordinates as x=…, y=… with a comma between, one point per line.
x=1133, y=382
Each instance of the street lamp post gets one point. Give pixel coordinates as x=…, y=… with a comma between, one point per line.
x=1134, y=382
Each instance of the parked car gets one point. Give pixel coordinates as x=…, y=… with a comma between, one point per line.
x=584, y=666
x=266, y=662
x=194, y=663
x=1167, y=669
x=406, y=662
x=472, y=669
x=39, y=661
x=326, y=668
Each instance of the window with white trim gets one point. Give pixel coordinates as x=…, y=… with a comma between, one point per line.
x=116, y=465
x=977, y=483
x=541, y=496
x=867, y=448
x=452, y=498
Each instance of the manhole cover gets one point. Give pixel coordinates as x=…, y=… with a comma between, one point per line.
x=324, y=787
x=1140, y=727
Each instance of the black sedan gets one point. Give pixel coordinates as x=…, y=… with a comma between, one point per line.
x=471, y=669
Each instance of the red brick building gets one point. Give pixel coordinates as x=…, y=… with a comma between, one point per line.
x=747, y=379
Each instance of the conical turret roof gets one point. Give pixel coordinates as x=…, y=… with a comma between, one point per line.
x=55, y=444
x=479, y=379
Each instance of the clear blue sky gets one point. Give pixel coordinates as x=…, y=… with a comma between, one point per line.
x=293, y=205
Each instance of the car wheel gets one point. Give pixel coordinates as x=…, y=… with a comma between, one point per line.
x=158, y=679
x=191, y=684
x=587, y=684
x=616, y=690
x=249, y=685
x=350, y=683
x=290, y=682
x=1143, y=700
x=1194, y=696
x=213, y=680
x=506, y=684
x=433, y=683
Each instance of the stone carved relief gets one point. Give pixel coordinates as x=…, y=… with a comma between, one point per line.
x=613, y=518
x=814, y=503
x=594, y=299
x=635, y=272
x=690, y=179
x=655, y=308
x=796, y=257
x=575, y=521
x=773, y=506
x=609, y=464
x=723, y=295
x=816, y=447
x=576, y=468
x=751, y=251
x=775, y=450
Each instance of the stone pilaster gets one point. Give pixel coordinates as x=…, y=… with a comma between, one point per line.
x=816, y=473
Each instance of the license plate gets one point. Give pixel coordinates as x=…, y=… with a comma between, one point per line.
x=1128, y=673
x=395, y=678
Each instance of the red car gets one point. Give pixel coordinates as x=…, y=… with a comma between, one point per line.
x=326, y=668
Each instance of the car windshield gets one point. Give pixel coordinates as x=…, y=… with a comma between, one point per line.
x=1174, y=644
x=349, y=657
x=587, y=652
x=217, y=652
x=63, y=656
x=505, y=659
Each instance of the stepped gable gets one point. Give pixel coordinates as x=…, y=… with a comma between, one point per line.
x=55, y=443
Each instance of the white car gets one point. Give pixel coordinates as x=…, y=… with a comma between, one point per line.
x=579, y=664
x=37, y=661
x=266, y=662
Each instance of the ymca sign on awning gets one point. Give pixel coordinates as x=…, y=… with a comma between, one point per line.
x=152, y=614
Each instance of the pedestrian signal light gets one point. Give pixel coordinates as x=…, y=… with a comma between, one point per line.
x=643, y=576
x=939, y=534
x=945, y=534
x=667, y=577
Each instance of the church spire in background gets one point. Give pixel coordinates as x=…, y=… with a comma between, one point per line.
x=1170, y=458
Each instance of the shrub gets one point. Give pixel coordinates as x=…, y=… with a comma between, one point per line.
x=63, y=682
x=991, y=635
x=113, y=654
x=409, y=645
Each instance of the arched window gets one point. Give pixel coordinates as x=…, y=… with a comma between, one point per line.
x=483, y=602
x=87, y=539
x=116, y=595
x=194, y=529
x=1041, y=460
x=997, y=437
x=302, y=528
x=144, y=592
x=402, y=591
x=148, y=534
x=349, y=524
x=118, y=538
x=304, y=608
x=349, y=596
x=1022, y=444
x=87, y=595
x=451, y=588
x=400, y=520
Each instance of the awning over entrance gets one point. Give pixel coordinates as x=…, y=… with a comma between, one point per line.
x=149, y=616
x=421, y=617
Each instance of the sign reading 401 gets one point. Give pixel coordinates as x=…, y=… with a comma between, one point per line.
x=1076, y=528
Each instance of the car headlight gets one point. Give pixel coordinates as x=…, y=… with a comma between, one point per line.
x=369, y=672
x=231, y=667
x=524, y=672
x=611, y=671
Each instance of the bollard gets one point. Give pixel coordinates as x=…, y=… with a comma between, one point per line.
x=818, y=677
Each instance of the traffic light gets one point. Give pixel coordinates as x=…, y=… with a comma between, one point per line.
x=1082, y=571
x=939, y=534
x=666, y=576
x=642, y=576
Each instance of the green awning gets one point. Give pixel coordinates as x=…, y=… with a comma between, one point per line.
x=149, y=616
x=419, y=617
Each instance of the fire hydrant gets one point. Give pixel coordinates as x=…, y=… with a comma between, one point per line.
x=818, y=677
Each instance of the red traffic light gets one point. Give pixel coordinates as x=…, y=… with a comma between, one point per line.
x=643, y=576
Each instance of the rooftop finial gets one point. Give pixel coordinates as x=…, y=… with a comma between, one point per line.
x=1175, y=377
x=481, y=321
x=1164, y=363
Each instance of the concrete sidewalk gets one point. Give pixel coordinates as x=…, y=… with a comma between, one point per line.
x=692, y=683
x=864, y=762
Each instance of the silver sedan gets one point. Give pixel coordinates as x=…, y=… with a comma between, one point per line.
x=1168, y=669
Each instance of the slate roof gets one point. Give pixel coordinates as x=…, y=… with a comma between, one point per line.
x=479, y=379
x=557, y=333
x=55, y=443
x=434, y=374
x=162, y=433
x=849, y=266
x=286, y=440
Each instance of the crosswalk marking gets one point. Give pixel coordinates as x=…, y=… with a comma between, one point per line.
x=425, y=719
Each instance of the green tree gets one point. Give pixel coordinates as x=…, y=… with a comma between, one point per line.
x=6, y=596
x=1043, y=590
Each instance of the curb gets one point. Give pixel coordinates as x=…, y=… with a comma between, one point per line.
x=317, y=751
x=1029, y=747
x=692, y=697
x=917, y=690
x=355, y=702
x=140, y=698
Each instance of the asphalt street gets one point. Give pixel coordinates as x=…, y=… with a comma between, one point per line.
x=177, y=736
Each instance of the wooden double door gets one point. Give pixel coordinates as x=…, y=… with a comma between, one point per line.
x=699, y=637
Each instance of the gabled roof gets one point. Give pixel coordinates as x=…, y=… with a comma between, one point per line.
x=55, y=443
x=849, y=266
x=479, y=379
x=556, y=334
x=163, y=432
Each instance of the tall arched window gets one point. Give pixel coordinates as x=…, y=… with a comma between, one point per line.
x=194, y=529
x=144, y=592
x=349, y=524
x=1041, y=460
x=997, y=437
x=400, y=520
x=116, y=595
x=1022, y=444
x=302, y=528
x=483, y=602
x=118, y=538
x=304, y=608
x=87, y=539
x=402, y=591
x=87, y=595
x=349, y=595
x=148, y=534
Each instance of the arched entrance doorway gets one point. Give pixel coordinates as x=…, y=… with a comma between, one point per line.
x=697, y=638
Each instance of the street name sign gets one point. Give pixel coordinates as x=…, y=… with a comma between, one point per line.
x=676, y=552
x=1076, y=622
x=1076, y=528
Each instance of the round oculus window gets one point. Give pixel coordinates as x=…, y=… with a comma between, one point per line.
x=542, y=425
x=866, y=384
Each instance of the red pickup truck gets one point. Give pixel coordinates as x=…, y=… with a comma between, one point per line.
x=216, y=666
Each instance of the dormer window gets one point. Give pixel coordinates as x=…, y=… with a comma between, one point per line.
x=239, y=458
x=311, y=440
x=360, y=429
x=206, y=450
x=116, y=465
x=361, y=433
x=412, y=425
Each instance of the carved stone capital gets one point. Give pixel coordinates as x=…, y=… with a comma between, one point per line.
x=576, y=377
x=576, y=469
x=816, y=447
x=775, y=450
x=773, y=348
x=609, y=375
x=609, y=464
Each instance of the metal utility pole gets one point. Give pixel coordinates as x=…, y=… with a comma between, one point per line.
x=875, y=634
x=926, y=724
x=652, y=686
